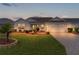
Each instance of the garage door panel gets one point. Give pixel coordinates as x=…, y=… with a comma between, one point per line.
x=57, y=28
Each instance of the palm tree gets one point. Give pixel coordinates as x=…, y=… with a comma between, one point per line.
x=5, y=29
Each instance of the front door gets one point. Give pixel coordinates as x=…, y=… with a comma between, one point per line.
x=35, y=27
x=38, y=27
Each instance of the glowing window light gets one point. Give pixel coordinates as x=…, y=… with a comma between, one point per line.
x=74, y=29
x=19, y=24
x=42, y=25
x=33, y=26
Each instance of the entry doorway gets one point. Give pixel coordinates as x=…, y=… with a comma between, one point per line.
x=38, y=27
x=35, y=27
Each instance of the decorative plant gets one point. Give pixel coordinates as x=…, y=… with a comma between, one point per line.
x=48, y=32
x=5, y=29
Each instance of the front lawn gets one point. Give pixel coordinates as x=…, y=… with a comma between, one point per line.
x=34, y=45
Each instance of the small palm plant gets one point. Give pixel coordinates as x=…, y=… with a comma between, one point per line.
x=5, y=29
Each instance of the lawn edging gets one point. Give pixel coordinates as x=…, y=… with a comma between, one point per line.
x=9, y=45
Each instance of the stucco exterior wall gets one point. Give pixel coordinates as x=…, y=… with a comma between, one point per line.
x=48, y=26
x=25, y=26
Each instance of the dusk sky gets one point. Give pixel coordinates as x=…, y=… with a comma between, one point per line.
x=39, y=9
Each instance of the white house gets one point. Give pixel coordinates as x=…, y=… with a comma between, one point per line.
x=47, y=24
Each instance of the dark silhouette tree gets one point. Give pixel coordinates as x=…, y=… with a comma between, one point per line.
x=6, y=29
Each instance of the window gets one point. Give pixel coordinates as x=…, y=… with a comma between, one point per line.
x=19, y=24
x=42, y=25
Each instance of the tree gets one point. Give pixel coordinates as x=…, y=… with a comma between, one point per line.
x=5, y=29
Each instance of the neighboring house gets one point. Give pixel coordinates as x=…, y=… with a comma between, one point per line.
x=47, y=24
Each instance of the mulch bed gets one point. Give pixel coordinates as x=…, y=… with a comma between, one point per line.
x=4, y=41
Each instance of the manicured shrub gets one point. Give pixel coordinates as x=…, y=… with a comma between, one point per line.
x=47, y=32
x=70, y=30
x=37, y=29
x=27, y=31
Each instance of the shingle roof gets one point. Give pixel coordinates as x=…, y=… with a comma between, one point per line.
x=5, y=20
x=45, y=19
x=58, y=19
x=39, y=19
x=20, y=20
x=72, y=20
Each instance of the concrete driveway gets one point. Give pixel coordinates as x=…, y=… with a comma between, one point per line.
x=70, y=41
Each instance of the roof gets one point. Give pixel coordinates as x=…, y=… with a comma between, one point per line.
x=20, y=20
x=39, y=19
x=72, y=20
x=45, y=19
x=5, y=20
x=58, y=19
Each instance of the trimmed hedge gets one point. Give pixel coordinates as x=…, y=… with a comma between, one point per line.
x=27, y=31
x=73, y=30
x=70, y=30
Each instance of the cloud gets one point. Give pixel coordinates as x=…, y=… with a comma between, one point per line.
x=8, y=4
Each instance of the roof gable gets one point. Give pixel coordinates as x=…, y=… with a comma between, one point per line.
x=20, y=20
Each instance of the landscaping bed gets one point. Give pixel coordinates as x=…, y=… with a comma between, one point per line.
x=4, y=43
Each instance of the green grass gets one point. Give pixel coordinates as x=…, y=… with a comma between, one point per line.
x=34, y=45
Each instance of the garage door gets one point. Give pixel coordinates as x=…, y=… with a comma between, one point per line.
x=57, y=27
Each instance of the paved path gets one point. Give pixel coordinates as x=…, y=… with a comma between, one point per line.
x=70, y=41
